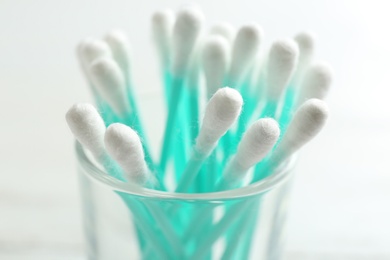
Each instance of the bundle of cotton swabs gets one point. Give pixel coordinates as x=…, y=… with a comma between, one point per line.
x=270, y=108
x=262, y=107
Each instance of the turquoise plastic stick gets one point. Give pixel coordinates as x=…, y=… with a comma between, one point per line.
x=176, y=92
x=140, y=217
x=269, y=109
x=239, y=240
x=181, y=139
x=245, y=229
x=167, y=78
x=190, y=172
x=218, y=229
x=193, y=107
x=288, y=108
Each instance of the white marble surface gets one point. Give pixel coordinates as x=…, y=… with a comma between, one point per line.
x=340, y=204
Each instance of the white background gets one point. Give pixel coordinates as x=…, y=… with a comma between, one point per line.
x=340, y=206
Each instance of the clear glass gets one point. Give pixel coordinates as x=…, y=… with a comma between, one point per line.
x=123, y=221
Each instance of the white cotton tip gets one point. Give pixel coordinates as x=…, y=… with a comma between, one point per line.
x=90, y=50
x=282, y=61
x=108, y=79
x=306, y=44
x=120, y=47
x=305, y=125
x=186, y=30
x=215, y=61
x=79, y=53
x=222, y=111
x=316, y=82
x=124, y=146
x=88, y=128
x=194, y=68
x=162, y=27
x=257, y=141
x=244, y=51
x=225, y=30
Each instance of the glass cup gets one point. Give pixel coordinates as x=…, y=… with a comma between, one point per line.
x=123, y=221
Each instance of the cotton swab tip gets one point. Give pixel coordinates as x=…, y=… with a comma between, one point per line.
x=189, y=18
x=305, y=125
x=221, y=112
x=189, y=22
x=88, y=128
x=316, y=81
x=119, y=44
x=215, y=47
x=110, y=83
x=245, y=48
x=124, y=145
x=223, y=29
x=162, y=19
x=306, y=42
x=90, y=50
x=257, y=141
x=162, y=26
x=215, y=62
x=248, y=36
x=282, y=61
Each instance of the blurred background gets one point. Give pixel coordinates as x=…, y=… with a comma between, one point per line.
x=340, y=202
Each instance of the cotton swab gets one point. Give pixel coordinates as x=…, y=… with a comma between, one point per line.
x=120, y=48
x=108, y=78
x=221, y=112
x=124, y=145
x=244, y=50
x=306, y=44
x=162, y=27
x=225, y=30
x=111, y=85
x=80, y=56
x=186, y=30
x=316, y=82
x=215, y=61
x=189, y=22
x=88, y=128
x=305, y=125
x=256, y=143
x=90, y=50
x=282, y=62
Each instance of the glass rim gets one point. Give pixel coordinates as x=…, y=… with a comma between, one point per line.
x=92, y=171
